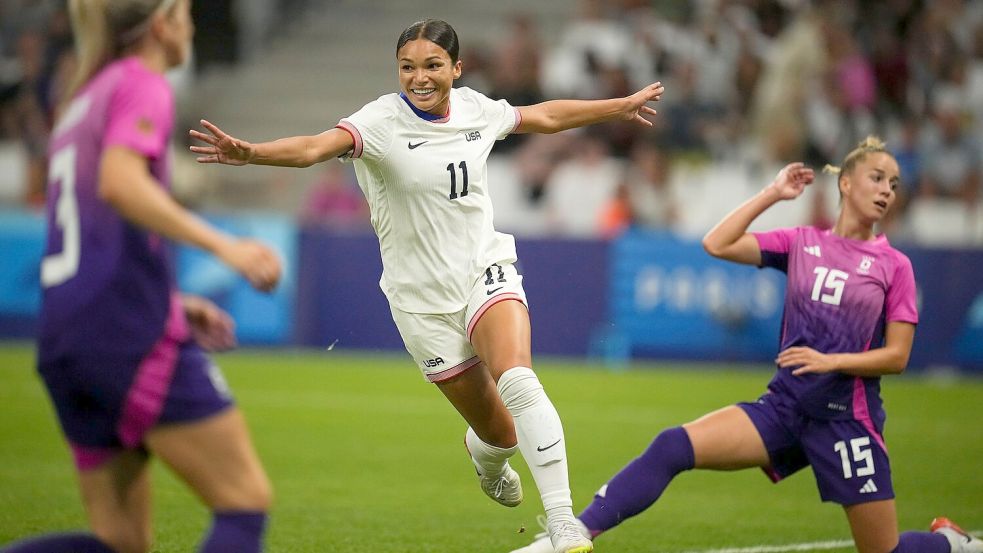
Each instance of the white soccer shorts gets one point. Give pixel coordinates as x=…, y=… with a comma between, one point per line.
x=440, y=343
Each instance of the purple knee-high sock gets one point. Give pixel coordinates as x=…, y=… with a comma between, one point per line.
x=59, y=543
x=641, y=482
x=922, y=542
x=235, y=532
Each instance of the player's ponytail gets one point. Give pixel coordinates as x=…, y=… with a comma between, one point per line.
x=93, y=43
x=103, y=29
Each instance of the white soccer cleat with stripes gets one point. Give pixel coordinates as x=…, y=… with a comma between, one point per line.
x=959, y=540
x=505, y=488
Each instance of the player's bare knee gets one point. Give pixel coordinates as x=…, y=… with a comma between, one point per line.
x=254, y=494
x=262, y=497
x=499, y=367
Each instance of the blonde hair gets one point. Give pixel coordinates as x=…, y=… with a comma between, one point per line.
x=870, y=145
x=103, y=29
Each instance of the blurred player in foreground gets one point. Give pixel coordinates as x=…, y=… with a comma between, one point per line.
x=849, y=318
x=454, y=291
x=119, y=345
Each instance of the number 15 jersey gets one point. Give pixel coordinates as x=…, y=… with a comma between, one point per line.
x=840, y=296
x=426, y=182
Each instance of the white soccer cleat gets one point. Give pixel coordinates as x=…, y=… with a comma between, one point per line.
x=569, y=535
x=959, y=540
x=505, y=488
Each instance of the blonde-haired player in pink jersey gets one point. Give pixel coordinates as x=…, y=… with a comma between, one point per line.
x=120, y=348
x=456, y=297
x=849, y=318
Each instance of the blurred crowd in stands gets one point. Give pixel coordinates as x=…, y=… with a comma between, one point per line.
x=750, y=85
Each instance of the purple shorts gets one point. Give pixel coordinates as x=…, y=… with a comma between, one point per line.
x=106, y=403
x=848, y=457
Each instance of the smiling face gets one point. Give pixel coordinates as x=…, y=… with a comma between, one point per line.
x=869, y=190
x=426, y=75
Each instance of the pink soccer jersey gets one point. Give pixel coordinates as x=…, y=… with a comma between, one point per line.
x=107, y=283
x=840, y=294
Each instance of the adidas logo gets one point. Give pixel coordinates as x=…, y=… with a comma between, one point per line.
x=813, y=250
x=869, y=487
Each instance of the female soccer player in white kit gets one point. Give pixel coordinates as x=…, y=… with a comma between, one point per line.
x=420, y=157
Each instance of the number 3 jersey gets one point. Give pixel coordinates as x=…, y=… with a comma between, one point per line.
x=107, y=282
x=840, y=295
x=426, y=182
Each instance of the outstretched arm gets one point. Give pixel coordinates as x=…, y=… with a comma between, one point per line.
x=294, y=151
x=559, y=115
x=730, y=240
x=127, y=185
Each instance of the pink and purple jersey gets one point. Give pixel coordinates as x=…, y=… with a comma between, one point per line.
x=840, y=295
x=107, y=283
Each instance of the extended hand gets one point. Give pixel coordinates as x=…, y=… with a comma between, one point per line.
x=807, y=359
x=212, y=328
x=222, y=147
x=637, y=103
x=792, y=180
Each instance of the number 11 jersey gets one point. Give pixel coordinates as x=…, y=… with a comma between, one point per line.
x=426, y=182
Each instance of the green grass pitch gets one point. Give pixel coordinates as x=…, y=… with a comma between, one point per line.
x=367, y=457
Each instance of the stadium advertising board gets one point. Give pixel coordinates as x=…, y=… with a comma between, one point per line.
x=670, y=299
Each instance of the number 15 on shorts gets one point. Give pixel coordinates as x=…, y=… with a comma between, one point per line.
x=860, y=448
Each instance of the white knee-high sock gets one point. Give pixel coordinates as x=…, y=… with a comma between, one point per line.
x=540, y=433
x=490, y=460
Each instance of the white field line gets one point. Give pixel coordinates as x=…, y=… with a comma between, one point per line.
x=810, y=546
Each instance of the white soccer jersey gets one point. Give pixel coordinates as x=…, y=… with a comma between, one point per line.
x=426, y=183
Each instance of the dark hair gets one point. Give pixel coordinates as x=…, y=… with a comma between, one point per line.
x=436, y=31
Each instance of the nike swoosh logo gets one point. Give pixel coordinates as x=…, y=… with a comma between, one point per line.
x=411, y=145
x=490, y=292
x=542, y=449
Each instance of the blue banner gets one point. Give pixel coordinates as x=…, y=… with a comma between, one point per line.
x=645, y=294
x=669, y=298
x=340, y=302
x=260, y=318
x=969, y=341
x=950, y=307
x=21, y=247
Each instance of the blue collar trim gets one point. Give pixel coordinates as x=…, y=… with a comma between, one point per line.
x=419, y=112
